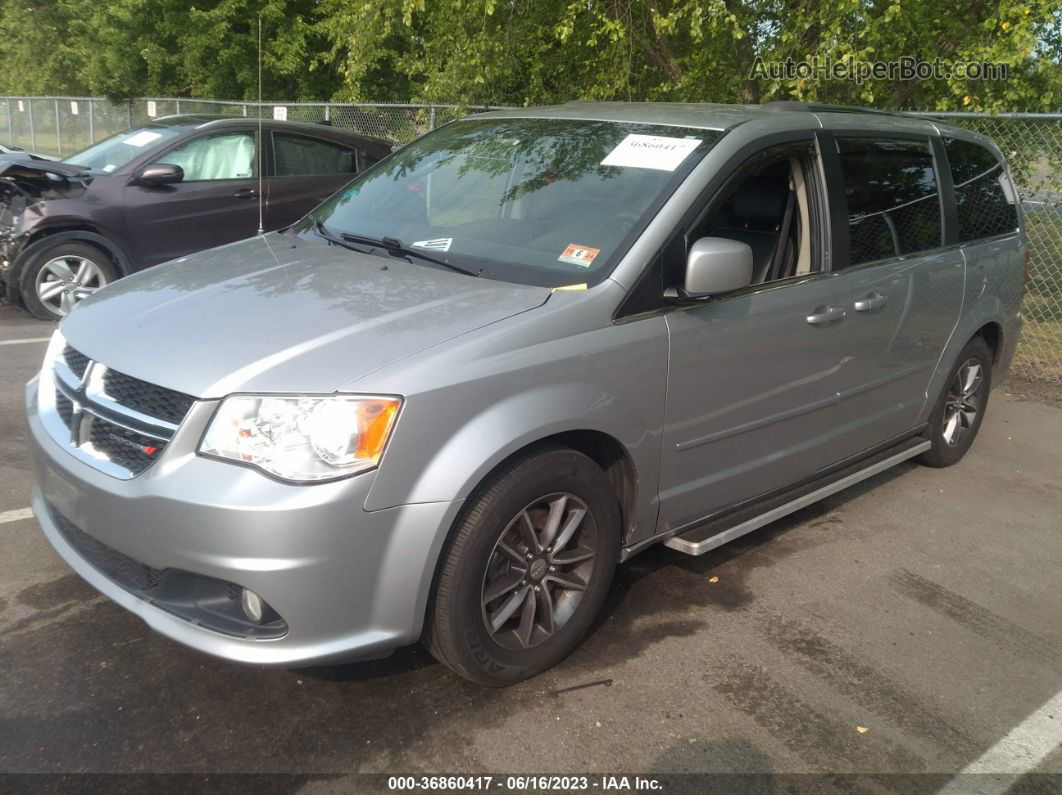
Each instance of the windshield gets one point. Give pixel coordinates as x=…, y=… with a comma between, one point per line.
x=114, y=152
x=537, y=201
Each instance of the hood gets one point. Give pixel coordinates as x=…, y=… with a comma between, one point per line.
x=279, y=314
x=33, y=177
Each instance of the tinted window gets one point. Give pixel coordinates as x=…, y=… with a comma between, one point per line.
x=891, y=189
x=228, y=156
x=983, y=196
x=300, y=156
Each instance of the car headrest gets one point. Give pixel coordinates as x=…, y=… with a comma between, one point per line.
x=761, y=200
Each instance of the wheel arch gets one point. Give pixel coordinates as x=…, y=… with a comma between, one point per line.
x=602, y=448
x=991, y=333
x=989, y=320
x=50, y=236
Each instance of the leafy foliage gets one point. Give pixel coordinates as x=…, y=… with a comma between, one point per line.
x=520, y=52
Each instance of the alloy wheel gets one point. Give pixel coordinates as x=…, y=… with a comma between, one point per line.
x=538, y=571
x=62, y=282
x=963, y=402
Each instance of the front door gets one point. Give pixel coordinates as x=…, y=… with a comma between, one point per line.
x=753, y=377
x=751, y=397
x=216, y=203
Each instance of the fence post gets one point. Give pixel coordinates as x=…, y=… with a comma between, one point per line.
x=178, y=111
x=92, y=122
x=58, y=130
x=129, y=112
x=33, y=130
x=431, y=118
x=10, y=125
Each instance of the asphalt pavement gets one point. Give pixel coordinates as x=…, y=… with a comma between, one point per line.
x=910, y=625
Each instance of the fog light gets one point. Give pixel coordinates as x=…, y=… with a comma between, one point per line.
x=252, y=605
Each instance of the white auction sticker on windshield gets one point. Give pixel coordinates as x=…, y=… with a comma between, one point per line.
x=651, y=151
x=142, y=138
x=438, y=244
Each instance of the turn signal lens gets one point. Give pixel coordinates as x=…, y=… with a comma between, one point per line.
x=375, y=418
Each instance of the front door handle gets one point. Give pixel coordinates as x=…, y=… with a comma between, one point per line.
x=246, y=193
x=824, y=315
x=870, y=303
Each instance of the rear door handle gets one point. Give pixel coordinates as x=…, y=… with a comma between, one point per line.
x=824, y=315
x=870, y=303
x=246, y=193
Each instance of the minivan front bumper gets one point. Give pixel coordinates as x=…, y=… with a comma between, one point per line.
x=347, y=582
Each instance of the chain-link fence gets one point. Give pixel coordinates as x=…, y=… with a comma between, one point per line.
x=60, y=126
x=1032, y=143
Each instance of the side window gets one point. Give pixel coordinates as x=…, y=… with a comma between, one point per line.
x=302, y=156
x=767, y=206
x=893, y=202
x=225, y=156
x=771, y=202
x=984, y=198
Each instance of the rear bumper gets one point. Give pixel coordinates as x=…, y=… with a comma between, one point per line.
x=347, y=582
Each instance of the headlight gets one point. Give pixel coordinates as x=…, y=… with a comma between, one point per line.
x=302, y=438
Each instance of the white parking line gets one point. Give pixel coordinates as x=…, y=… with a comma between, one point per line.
x=14, y=516
x=1024, y=747
x=23, y=342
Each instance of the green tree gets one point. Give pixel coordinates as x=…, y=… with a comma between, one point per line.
x=519, y=52
x=533, y=51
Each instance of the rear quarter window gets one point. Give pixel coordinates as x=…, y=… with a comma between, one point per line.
x=984, y=199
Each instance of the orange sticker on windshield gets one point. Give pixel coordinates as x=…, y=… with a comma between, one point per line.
x=579, y=255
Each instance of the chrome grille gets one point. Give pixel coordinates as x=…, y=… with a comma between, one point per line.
x=114, y=422
x=76, y=361
x=149, y=399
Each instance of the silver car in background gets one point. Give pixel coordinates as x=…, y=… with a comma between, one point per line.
x=447, y=403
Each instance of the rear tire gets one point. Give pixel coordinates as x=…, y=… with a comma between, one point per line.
x=960, y=409
x=56, y=278
x=526, y=570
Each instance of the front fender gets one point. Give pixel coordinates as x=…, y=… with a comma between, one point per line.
x=448, y=439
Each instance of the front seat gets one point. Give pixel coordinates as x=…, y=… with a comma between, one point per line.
x=757, y=210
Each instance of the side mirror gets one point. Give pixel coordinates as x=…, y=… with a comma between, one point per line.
x=716, y=265
x=160, y=174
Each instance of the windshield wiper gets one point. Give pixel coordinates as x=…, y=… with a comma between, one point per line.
x=391, y=244
x=394, y=246
x=323, y=231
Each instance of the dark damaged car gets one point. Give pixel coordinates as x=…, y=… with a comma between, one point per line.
x=157, y=192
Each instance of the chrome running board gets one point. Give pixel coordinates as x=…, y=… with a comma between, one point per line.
x=708, y=536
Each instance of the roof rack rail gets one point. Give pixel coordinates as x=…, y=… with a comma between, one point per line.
x=785, y=105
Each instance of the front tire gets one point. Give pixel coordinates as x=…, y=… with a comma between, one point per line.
x=526, y=570
x=58, y=277
x=960, y=409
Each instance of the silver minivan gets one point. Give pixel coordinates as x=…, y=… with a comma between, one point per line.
x=516, y=352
